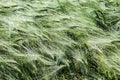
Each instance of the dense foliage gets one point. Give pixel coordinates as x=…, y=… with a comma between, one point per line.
x=59, y=39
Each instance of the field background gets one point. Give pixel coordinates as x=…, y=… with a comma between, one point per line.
x=59, y=39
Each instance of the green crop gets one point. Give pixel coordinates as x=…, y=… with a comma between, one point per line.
x=59, y=39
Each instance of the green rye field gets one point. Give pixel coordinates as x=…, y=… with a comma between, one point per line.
x=59, y=39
